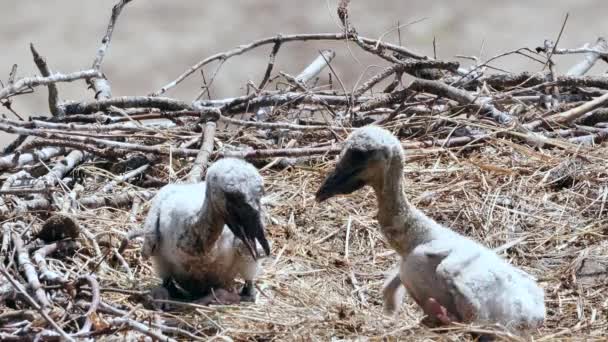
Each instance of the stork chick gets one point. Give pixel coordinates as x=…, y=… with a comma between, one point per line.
x=451, y=277
x=202, y=236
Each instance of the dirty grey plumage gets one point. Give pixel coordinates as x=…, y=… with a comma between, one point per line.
x=204, y=235
x=437, y=264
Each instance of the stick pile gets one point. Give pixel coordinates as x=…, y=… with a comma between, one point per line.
x=513, y=160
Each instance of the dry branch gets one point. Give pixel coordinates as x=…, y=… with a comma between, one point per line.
x=20, y=159
x=100, y=84
x=46, y=72
x=202, y=158
x=120, y=323
x=33, y=303
x=161, y=103
x=223, y=56
x=316, y=66
x=572, y=114
x=462, y=97
x=596, y=51
x=119, y=200
x=123, y=178
x=31, y=275
x=35, y=81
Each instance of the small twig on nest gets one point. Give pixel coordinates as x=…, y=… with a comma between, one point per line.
x=409, y=66
x=570, y=115
x=271, y=60
x=31, y=275
x=148, y=331
x=31, y=82
x=20, y=159
x=316, y=66
x=10, y=148
x=41, y=255
x=202, y=158
x=592, y=54
x=115, y=200
x=223, y=56
x=61, y=169
x=46, y=72
x=161, y=103
x=461, y=96
x=123, y=263
x=100, y=84
x=124, y=177
x=281, y=125
x=33, y=303
x=271, y=153
x=95, y=300
x=343, y=12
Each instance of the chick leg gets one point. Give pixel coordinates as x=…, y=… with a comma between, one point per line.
x=248, y=268
x=436, y=313
x=220, y=296
x=248, y=292
x=153, y=300
x=392, y=293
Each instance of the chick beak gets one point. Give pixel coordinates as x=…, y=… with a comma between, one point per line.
x=245, y=221
x=341, y=181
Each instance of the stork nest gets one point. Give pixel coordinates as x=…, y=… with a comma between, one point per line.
x=511, y=160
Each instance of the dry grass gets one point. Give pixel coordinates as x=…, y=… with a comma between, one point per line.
x=328, y=261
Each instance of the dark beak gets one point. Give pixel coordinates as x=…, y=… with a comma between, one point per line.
x=245, y=222
x=341, y=181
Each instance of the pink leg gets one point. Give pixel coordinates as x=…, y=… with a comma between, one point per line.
x=436, y=313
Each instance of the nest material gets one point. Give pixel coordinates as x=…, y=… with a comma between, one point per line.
x=510, y=160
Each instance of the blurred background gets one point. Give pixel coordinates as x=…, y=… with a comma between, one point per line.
x=156, y=40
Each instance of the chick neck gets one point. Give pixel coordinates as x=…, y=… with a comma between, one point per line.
x=209, y=224
x=403, y=225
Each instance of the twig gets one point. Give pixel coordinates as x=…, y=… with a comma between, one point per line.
x=18, y=159
x=123, y=263
x=42, y=253
x=271, y=60
x=280, y=125
x=10, y=148
x=115, y=201
x=24, y=261
x=60, y=170
x=572, y=114
x=460, y=96
x=271, y=153
x=594, y=52
x=316, y=66
x=161, y=103
x=405, y=66
x=46, y=72
x=526, y=79
x=100, y=84
x=125, y=127
x=124, y=177
x=283, y=39
x=120, y=321
x=202, y=158
x=35, y=81
x=33, y=303
x=165, y=150
x=95, y=300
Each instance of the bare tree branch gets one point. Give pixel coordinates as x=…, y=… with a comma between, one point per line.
x=46, y=72
x=35, y=81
